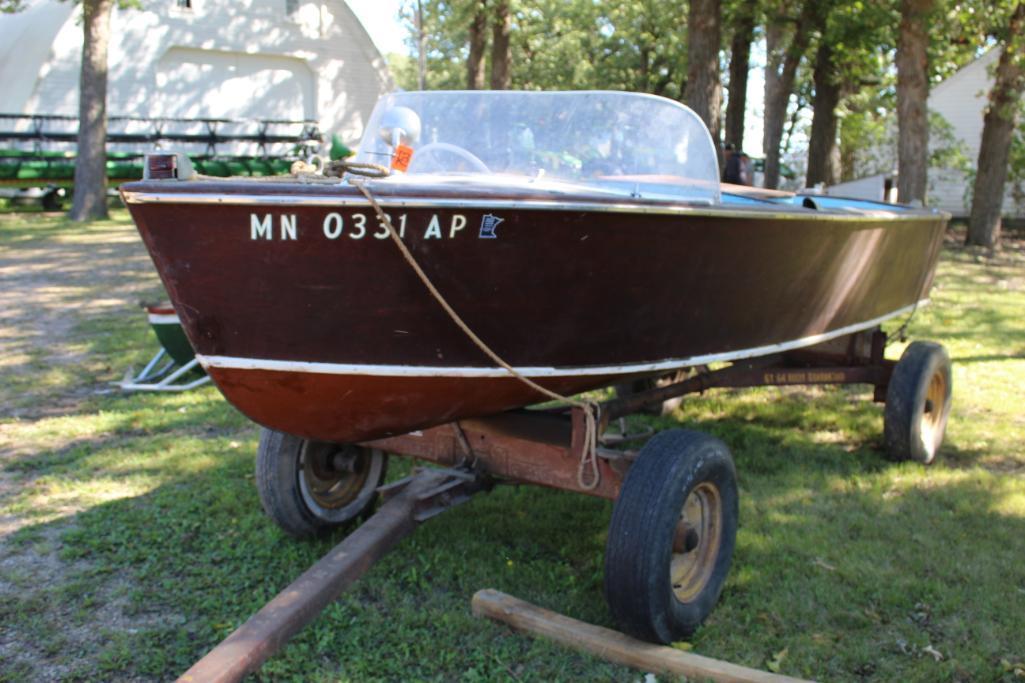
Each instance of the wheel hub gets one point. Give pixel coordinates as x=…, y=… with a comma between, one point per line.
x=933, y=411
x=333, y=475
x=696, y=541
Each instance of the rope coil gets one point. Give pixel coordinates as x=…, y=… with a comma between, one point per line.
x=591, y=409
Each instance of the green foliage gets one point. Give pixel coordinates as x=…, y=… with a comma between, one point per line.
x=644, y=48
x=868, y=131
x=12, y=5
x=862, y=34
x=564, y=44
x=868, y=137
x=946, y=150
x=403, y=69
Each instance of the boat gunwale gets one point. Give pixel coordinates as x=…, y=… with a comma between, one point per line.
x=218, y=196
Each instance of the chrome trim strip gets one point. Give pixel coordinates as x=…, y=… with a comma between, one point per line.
x=135, y=197
x=235, y=363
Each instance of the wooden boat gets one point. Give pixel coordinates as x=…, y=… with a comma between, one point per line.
x=583, y=236
x=585, y=239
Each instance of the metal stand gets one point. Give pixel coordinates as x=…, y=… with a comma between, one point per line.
x=157, y=377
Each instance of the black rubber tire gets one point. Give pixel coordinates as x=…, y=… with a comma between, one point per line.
x=279, y=483
x=908, y=407
x=638, y=554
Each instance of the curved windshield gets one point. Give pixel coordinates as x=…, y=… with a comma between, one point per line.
x=628, y=143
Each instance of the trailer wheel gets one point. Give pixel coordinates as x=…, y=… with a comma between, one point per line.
x=918, y=403
x=672, y=535
x=309, y=487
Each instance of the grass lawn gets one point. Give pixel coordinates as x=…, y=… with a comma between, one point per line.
x=132, y=540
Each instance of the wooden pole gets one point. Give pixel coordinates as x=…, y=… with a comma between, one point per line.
x=612, y=645
x=268, y=630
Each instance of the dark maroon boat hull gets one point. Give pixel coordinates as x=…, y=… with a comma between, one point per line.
x=322, y=330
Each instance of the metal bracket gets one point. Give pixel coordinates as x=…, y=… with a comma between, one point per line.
x=454, y=486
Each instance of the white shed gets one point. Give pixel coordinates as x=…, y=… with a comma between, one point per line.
x=962, y=100
x=230, y=59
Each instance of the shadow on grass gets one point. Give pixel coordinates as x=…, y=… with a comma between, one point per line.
x=993, y=358
x=852, y=565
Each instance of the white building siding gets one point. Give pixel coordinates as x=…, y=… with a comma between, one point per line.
x=962, y=101
x=222, y=58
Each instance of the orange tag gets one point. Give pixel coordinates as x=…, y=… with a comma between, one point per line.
x=400, y=161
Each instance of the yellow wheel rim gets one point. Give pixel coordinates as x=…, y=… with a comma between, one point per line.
x=334, y=475
x=696, y=541
x=934, y=410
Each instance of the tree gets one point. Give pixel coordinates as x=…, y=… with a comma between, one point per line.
x=421, y=47
x=998, y=132
x=478, y=44
x=642, y=47
x=912, y=97
x=743, y=25
x=783, y=59
x=501, y=57
x=558, y=44
x=848, y=59
x=90, y=200
x=823, y=153
x=703, y=93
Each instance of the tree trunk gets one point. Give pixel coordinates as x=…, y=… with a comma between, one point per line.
x=91, y=164
x=478, y=43
x=823, y=153
x=421, y=47
x=775, y=37
x=740, y=64
x=704, y=85
x=912, y=97
x=501, y=77
x=780, y=85
x=997, y=132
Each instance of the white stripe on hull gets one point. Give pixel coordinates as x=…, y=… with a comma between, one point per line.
x=235, y=363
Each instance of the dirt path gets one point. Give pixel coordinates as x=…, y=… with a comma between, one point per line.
x=50, y=284
x=55, y=281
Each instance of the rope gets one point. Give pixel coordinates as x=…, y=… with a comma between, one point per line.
x=341, y=167
x=901, y=333
x=589, y=458
x=316, y=170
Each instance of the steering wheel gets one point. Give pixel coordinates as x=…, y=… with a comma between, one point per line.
x=431, y=151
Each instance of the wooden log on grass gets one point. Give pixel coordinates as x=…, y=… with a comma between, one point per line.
x=612, y=645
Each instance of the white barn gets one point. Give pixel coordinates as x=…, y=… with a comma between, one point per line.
x=962, y=100
x=231, y=59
